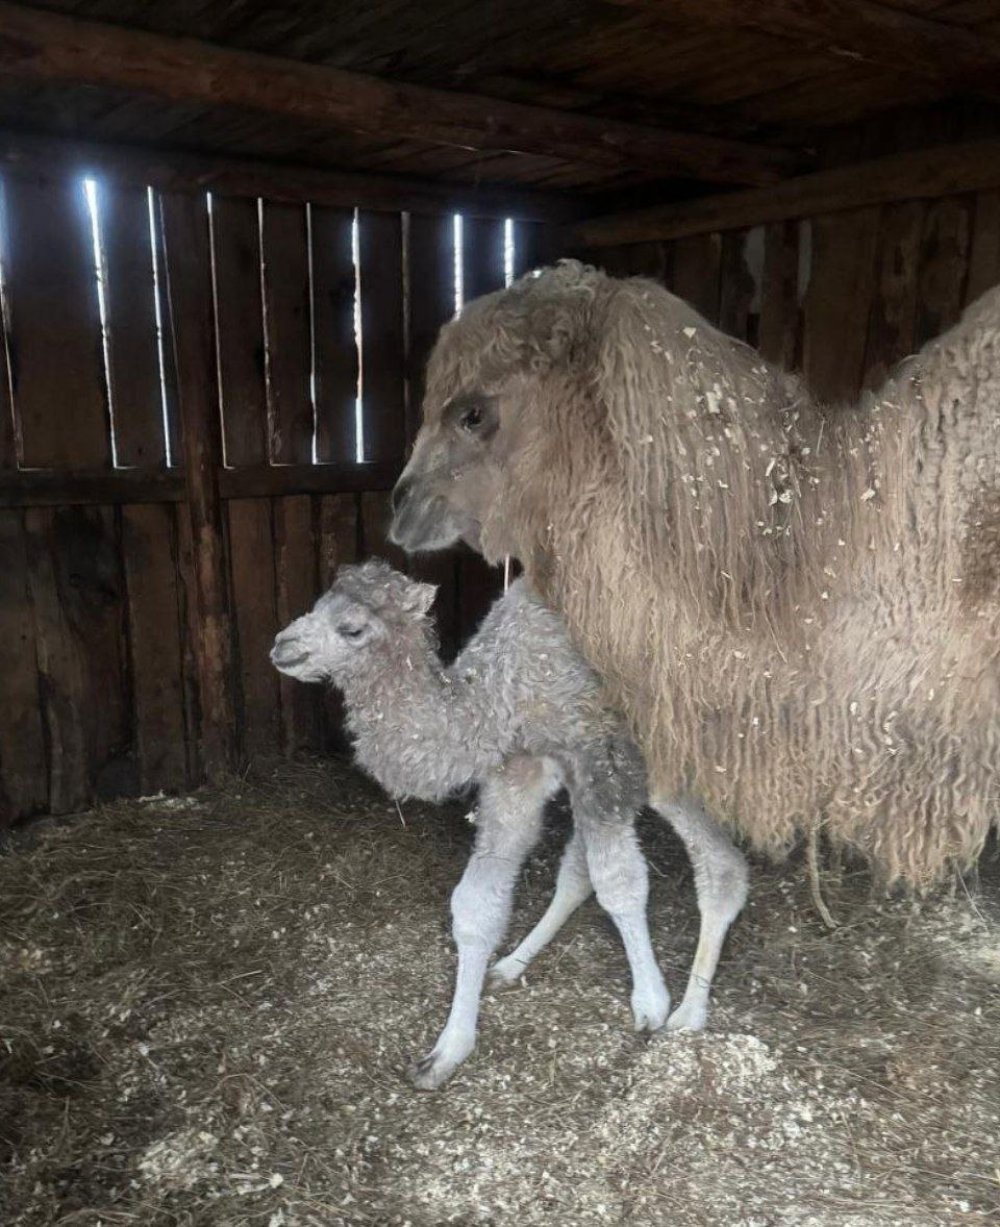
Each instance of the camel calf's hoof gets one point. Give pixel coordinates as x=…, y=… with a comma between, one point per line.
x=429, y=1073
x=689, y=1016
x=437, y=1067
x=506, y=972
x=650, y=1008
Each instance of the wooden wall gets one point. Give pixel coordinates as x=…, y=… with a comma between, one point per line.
x=841, y=297
x=178, y=484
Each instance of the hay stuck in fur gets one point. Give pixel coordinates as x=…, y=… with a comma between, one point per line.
x=797, y=606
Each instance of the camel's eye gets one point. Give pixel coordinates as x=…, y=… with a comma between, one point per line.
x=350, y=632
x=472, y=418
x=473, y=413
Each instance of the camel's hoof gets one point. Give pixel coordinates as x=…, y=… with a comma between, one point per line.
x=430, y=1072
x=689, y=1016
x=505, y=973
x=650, y=1009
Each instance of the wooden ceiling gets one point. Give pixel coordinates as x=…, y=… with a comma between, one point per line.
x=620, y=100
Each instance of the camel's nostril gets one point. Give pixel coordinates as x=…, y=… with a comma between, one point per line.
x=288, y=652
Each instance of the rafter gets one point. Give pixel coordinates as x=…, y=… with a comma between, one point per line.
x=41, y=46
x=860, y=30
x=945, y=170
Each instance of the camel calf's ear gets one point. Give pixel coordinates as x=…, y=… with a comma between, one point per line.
x=420, y=597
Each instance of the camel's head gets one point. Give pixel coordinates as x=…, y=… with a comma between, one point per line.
x=488, y=367
x=368, y=607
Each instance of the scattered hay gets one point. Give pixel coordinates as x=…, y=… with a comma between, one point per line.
x=207, y=1007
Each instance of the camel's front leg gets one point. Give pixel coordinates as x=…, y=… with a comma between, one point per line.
x=510, y=820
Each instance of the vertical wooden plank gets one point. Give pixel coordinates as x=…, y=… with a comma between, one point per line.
x=155, y=639
x=134, y=365
x=62, y=679
x=23, y=775
x=168, y=368
x=430, y=257
x=189, y=627
x=984, y=253
x=297, y=589
x=185, y=227
x=943, y=267
x=653, y=260
x=55, y=327
x=339, y=534
x=483, y=272
x=239, y=314
x=77, y=595
x=8, y=433
x=335, y=352
x=254, y=582
x=375, y=516
x=339, y=544
x=284, y=242
x=536, y=244
x=779, y=300
x=382, y=348
x=696, y=271
x=482, y=256
x=431, y=304
x=838, y=301
x=736, y=285
x=894, y=302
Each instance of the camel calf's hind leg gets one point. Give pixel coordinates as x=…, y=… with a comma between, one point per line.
x=606, y=793
x=720, y=880
x=511, y=803
x=573, y=887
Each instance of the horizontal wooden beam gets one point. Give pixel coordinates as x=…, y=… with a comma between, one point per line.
x=177, y=171
x=942, y=171
x=860, y=30
x=44, y=488
x=43, y=46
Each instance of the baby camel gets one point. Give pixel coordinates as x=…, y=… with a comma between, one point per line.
x=520, y=714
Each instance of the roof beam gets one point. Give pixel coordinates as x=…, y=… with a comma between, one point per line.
x=860, y=30
x=945, y=170
x=177, y=171
x=43, y=46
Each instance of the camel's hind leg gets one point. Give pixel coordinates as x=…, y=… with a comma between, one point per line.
x=573, y=887
x=720, y=880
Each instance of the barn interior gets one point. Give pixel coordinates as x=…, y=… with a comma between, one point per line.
x=229, y=234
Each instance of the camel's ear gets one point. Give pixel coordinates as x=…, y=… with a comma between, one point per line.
x=420, y=597
x=557, y=305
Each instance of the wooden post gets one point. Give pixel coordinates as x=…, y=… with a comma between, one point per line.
x=189, y=292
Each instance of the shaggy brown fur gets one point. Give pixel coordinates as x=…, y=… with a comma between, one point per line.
x=796, y=607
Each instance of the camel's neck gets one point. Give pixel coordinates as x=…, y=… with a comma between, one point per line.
x=413, y=725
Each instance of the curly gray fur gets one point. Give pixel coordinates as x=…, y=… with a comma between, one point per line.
x=519, y=714
x=423, y=730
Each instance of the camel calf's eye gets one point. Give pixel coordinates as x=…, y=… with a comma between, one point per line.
x=350, y=632
x=472, y=418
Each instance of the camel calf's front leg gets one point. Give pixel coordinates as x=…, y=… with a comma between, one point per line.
x=510, y=820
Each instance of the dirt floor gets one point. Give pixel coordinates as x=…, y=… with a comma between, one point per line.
x=207, y=1006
